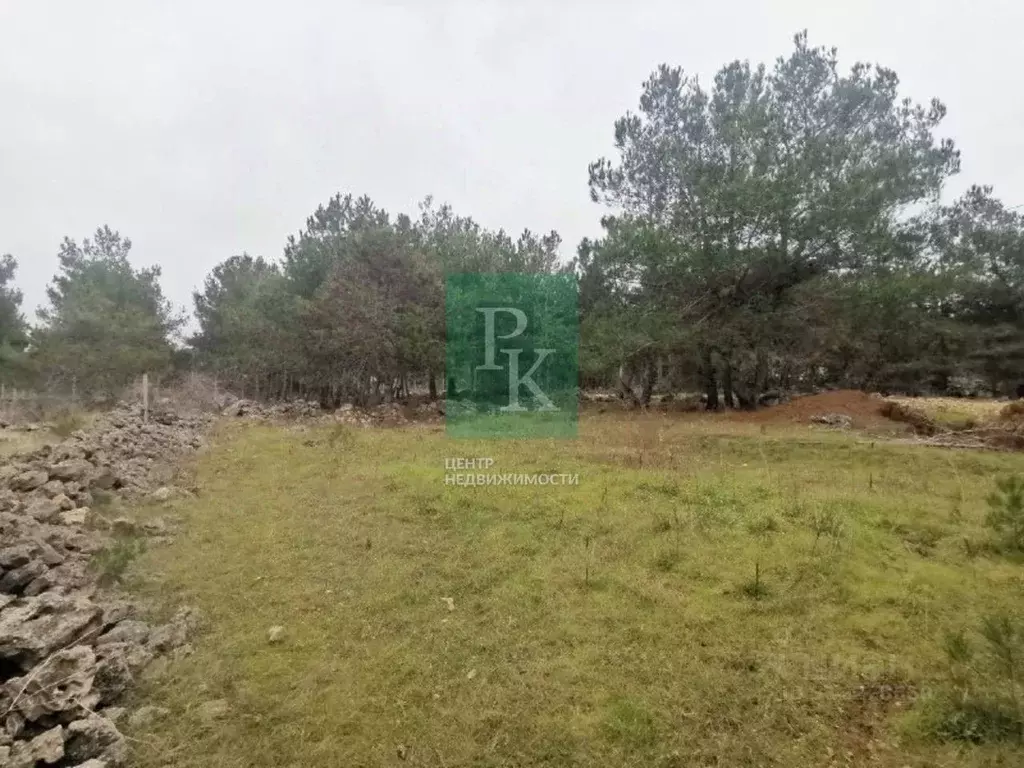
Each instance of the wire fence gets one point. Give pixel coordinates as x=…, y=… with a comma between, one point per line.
x=18, y=406
x=22, y=405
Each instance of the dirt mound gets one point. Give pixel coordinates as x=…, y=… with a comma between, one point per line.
x=1013, y=412
x=907, y=414
x=862, y=408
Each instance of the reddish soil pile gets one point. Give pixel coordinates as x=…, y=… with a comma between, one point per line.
x=859, y=406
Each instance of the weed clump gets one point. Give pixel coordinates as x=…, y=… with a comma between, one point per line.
x=756, y=589
x=67, y=422
x=1006, y=512
x=112, y=562
x=981, y=701
x=666, y=561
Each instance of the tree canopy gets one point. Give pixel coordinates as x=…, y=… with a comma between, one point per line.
x=106, y=321
x=783, y=227
x=13, y=328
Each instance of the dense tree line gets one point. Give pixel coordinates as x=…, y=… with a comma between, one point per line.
x=106, y=322
x=783, y=228
x=355, y=311
x=780, y=228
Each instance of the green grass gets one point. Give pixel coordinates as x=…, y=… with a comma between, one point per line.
x=62, y=425
x=69, y=420
x=710, y=594
x=16, y=442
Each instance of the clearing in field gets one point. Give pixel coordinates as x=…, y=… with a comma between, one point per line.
x=712, y=593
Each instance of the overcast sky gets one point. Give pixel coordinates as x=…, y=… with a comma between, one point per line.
x=204, y=129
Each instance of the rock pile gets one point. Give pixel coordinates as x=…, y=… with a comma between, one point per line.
x=383, y=414
x=837, y=420
x=291, y=409
x=69, y=650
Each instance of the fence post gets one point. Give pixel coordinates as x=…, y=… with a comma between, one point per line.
x=145, y=398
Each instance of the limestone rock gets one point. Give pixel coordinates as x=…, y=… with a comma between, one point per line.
x=175, y=634
x=33, y=628
x=127, y=631
x=162, y=494
x=44, y=510
x=72, y=470
x=103, y=480
x=15, y=557
x=95, y=738
x=15, y=581
x=46, y=748
x=210, y=711
x=63, y=502
x=29, y=481
x=60, y=683
x=53, y=488
x=275, y=635
x=75, y=516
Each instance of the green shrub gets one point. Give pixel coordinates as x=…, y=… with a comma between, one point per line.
x=112, y=562
x=666, y=561
x=756, y=589
x=981, y=701
x=68, y=421
x=1006, y=512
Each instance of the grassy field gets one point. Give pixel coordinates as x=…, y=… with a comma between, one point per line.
x=16, y=441
x=12, y=441
x=712, y=593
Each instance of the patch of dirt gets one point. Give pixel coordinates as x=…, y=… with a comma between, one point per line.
x=1013, y=412
x=866, y=714
x=863, y=409
x=908, y=414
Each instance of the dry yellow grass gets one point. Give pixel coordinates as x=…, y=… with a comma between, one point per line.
x=14, y=441
x=955, y=412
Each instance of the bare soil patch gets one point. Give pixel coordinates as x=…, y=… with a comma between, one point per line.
x=862, y=408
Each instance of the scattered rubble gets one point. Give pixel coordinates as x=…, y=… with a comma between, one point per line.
x=836, y=420
x=385, y=414
x=70, y=650
x=275, y=635
x=287, y=409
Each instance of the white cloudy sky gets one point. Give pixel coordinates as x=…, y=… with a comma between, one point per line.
x=204, y=129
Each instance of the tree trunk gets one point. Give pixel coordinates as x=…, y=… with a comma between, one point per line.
x=432, y=383
x=625, y=386
x=760, y=379
x=710, y=381
x=650, y=378
x=730, y=399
